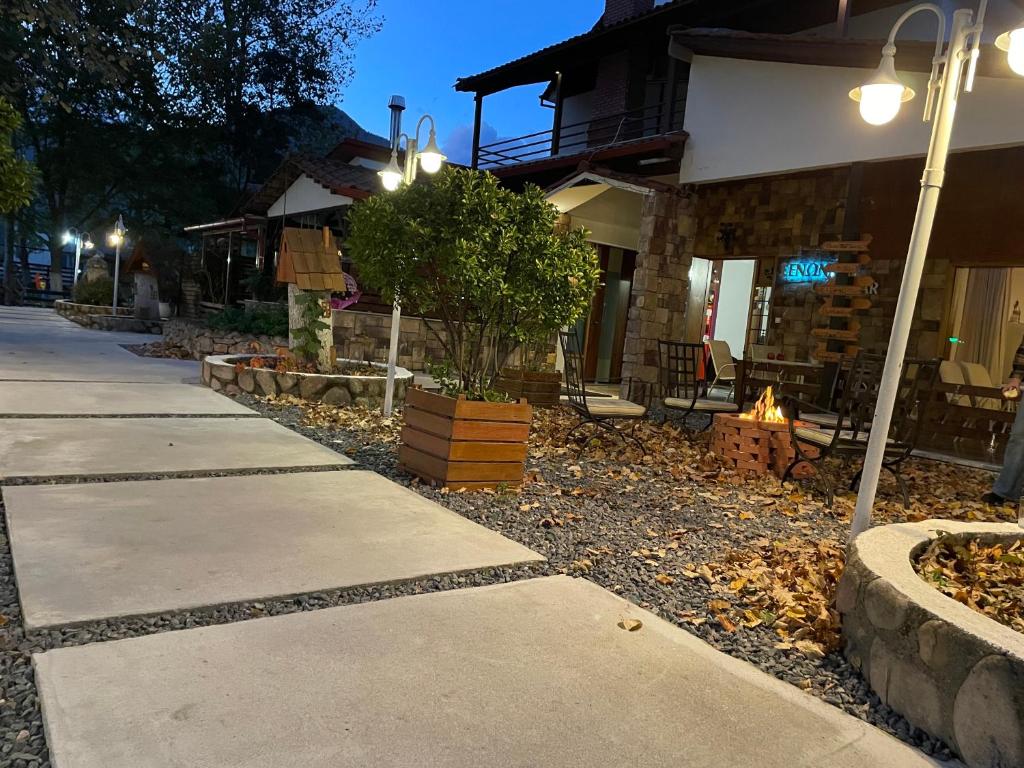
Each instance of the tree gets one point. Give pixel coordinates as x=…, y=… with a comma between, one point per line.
x=486, y=261
x=250, y=68
x=16, y=173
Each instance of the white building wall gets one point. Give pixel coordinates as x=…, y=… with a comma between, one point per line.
x=1001, y=16
x=306, y=195
x=753, y=118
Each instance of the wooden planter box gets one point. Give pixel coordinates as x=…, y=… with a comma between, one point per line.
x=536, y=387
x=463, y=443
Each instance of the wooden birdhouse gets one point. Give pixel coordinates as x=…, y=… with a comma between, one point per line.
x=308, y=259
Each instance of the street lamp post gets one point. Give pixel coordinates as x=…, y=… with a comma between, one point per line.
x=430, y=158
x=116, y=238
x=880, y=100
x=82, y=242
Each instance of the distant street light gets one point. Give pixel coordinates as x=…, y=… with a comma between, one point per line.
x=880, y=99
x=391, y=178
x=116, y=238
x=82, y=242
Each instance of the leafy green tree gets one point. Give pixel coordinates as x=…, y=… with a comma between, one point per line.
x=486, y=261
x=256, y=69
x=16, y=173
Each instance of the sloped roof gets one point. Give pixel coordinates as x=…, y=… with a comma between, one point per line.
x=353, y=181
x=309, y=262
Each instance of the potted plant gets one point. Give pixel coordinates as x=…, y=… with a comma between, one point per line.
x=489, y=265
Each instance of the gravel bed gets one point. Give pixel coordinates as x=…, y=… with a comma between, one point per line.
x=601, y=507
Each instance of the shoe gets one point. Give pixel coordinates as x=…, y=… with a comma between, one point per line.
x=993, y=499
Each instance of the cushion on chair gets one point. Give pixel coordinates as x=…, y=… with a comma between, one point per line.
x=615, y=408
x=702, y=404
x=824, y=436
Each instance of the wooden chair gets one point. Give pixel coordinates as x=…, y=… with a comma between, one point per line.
x=848, y=438
x=682, y=385
x=600, y=412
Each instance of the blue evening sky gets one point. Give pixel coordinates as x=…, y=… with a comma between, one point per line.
x=426, y=44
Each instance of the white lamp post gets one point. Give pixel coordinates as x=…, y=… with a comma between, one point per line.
x=116, y=238
x=392, y=177
x=880, y=100
x=82, y=242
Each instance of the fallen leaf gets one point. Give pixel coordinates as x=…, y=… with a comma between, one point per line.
x=630, y=625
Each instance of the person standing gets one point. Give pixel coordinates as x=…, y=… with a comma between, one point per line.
x=1010, y=481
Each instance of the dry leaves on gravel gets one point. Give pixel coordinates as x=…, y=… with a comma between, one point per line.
x=357, y=419
x=987, y=578
x=787, y=585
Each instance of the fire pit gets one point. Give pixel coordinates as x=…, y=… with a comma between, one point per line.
x=758, y=442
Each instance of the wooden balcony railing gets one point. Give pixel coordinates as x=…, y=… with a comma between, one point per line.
x=598, y=132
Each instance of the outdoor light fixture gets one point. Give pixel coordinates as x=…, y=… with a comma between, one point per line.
x=1013, y=43
x=430, y=158
x=881, y=96
x=116, y=239
x=880, y=100
x=83, y=242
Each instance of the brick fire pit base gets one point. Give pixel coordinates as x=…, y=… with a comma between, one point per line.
x=757, y=447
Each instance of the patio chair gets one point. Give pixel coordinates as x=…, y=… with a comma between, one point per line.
x=602, y=413
x=682, y=384
x=848, y=439
x=724, y=364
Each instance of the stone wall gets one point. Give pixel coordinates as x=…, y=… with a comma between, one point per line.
x=221, y=374
x=200, y=340
x=953, y=672
x=660, y=283
x=101, y=318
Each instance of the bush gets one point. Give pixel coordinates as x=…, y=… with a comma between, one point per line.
x=99, y=292
x=262, y=322
x=485, y=260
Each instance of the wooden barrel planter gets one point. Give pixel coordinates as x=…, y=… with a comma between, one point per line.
x=460, y=443
x=541, y=388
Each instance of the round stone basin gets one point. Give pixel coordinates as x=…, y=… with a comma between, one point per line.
x=221, y=375
x=951, y=671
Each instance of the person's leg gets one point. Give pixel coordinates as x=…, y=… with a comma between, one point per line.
x=1011, y=477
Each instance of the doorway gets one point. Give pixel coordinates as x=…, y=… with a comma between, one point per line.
x=985, y=325
x=722, y=292
x=604, y=330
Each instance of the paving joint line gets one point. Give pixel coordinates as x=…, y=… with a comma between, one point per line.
x=185, y=474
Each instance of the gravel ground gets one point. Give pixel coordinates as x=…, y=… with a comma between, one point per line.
x=591, y=518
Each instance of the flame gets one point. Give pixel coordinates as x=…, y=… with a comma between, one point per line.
x=765, y=409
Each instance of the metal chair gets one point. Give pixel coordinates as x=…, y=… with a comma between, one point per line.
x=601, y=413
x=847, y=436
x=724, y=364
x=682, y=383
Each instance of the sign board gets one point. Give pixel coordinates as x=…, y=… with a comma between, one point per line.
x=804, y=269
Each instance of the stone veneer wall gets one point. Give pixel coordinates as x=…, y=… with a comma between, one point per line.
x=951, y=671
x=775, y=217
x=200, y=340
x=102, y=319
x=660, y=283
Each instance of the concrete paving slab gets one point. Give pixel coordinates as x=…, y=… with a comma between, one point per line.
x=100, y=550
x=58, y=398
x=518, y=675
x=45, y=447
x=38, y=344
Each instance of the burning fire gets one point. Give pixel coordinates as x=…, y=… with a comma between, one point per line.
x=765, y=409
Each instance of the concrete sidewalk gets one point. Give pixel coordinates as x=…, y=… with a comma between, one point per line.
x=79, y=398
x=521, y=675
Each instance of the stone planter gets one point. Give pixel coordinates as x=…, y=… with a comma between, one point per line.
x=462, y=443
x=538, y=388
x=951, y=671
x=102, y=318
x=201, y=341
x=221, y=375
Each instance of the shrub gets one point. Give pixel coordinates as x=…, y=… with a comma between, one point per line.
x=485, y=260
x=262, y=322
x=99, y=292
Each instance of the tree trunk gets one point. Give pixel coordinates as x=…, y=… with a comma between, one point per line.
x=56, y=281
x=327, y=353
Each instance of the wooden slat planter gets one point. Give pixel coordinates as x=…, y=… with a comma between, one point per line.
x=463, y=443
x=541, y=388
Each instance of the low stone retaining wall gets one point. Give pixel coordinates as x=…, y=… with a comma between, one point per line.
x=201, y=341
x=102, y=318
x=949, y=670
x=219, y=373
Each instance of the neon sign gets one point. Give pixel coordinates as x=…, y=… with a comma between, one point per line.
x=804, y=270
